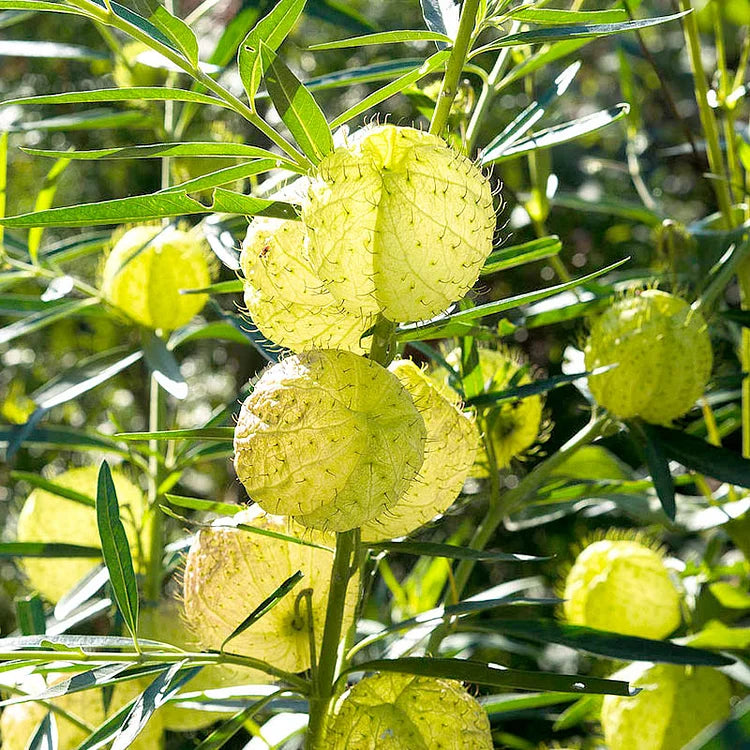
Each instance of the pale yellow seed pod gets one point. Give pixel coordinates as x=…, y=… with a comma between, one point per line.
x=622, y=586
x=286, y=300
x=399, y=222
x=390, y=711
x=229, y=572
x=513, y=427
x=328, y=437
x=46, y=517
x=450, y=450
x=19, y=721
x=146, y=270
x=166, y=622
x=663, y=355
x=674, y=705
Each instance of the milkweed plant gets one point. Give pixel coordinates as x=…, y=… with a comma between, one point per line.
x=408, y=526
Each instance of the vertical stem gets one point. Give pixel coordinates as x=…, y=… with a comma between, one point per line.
x=155, y=520
x=707, y=116
x=330, y=649
x=743, y=278
x=455, y=66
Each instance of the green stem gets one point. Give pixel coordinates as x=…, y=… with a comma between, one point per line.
x=155, y=523
x=707, y=115
x=743, y=278
x=330, y=649
x=512, y=500
x=455, y=66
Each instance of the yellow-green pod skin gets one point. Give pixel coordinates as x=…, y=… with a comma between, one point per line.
x=46, y=517
x=390, y=711
x=286, y=300
x=166, y=622
x=623, y=587
x=19, y=721
x=512, y=426
x=663, y=355
x=450, y=450
x=146, y=270
x=674, y=705
x=329, y=437
x=229, y=572
x=399, y=222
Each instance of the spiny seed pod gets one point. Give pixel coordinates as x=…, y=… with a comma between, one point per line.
x=390, y=711
x=512, y=426
x=663, y=355
x=452, y=442
x=286, y=300
x=329, y=437
x=399, y=222
x=47, y=517
x=622, y=586
x=19, y=720
x=229, y=572
x=674, y=705
x=165, y=622
x=146, y=270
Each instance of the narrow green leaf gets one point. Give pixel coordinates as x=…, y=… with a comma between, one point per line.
x=603, y=643
x=234, y=286
x=223, y=733
x=135, y=93
x=271, y=31
x=208, y=506
x=430, y=65
x=164, y=367
x=385, y=37
x=104, y=733
x=199, y=433
x=701, y=456
x=223, y=176
x=198, y=149
x=610, y=207
x=3, y=179
x=55, y=50
x=658, y=466
x=265, y=606
x=732, y=734
x=45, y=735
x=30, y=615
x=563, y=133
x=584, y=709
x=227, y=201
x=442, y=17
x=541, y=59
x=450, y=551
x=136, y=18
x=296, y=107
x=578, y=31
x=41, y=319
x=518, y=255
x=180, y=34
x=57, y=644
x=116, y=549
x=89, y=374
x=35, y=480
x=416, y=332
x=46, y=549
x=485, y=674
x=553, y=17
x=42, y=6
x=340, y=13
x=62, y=437
x=93, y=119
x=496, y=705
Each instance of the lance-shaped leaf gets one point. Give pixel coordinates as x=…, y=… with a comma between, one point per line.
x=42, y=318
x=116, y=549
x=175, y=29
x=265, y=606
x=44, y=200
x=658, y=467
x=198, y=433
x=296, y=107
x=518, y=255
x=198, y=149
x=164, y=367
x=45, y=735
x=30, y=615
x=207, y=506
x=442, y=17
x=271, y=31
x=451, y=552
x=46, y=549
x=385, y=37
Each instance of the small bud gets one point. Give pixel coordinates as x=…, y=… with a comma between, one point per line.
x=662, y=352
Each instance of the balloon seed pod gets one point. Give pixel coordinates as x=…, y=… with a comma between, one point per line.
x=674, y=704
x=230, y=571
x=662, y=352
x=165, y=622
x=328, y=437
x=622, y=585
x=450, y=450
x=47, y=517
x=147, y=268
x=19, y=721
x=286, y=300
x=390, y=711
x=399, y=222
x=512, y=427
